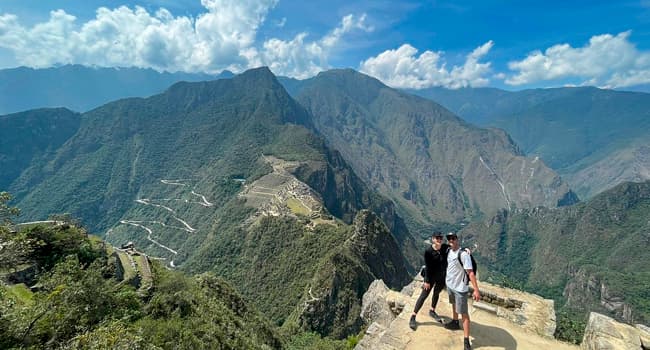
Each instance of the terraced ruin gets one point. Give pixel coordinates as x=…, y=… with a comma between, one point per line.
x=279, y=193
x=132, y=266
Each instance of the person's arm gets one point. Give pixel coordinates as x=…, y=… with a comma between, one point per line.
x=428, y=275
x=472, y=278
x=467, y=261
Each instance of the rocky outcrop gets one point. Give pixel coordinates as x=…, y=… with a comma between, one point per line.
x=380, y=308
x=381, y=305
x=604, y=333
x=504, y=318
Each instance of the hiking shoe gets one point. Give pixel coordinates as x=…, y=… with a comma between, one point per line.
x=468, y=346
x=412, y=323
x=435, y=316
x=453, y=325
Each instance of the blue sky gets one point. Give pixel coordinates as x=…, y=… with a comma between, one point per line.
x=409, y=44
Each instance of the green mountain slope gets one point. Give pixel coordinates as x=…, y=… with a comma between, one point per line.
x=31, y=138
x=224, y=176
x=577, y=131
x=435, y=166
x=82, y=302
x=588, y=257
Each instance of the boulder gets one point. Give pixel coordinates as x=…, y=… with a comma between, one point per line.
x=604, y=333
x=381, y=305
x=644, y=334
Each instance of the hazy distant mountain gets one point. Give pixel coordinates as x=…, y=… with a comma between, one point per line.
x=437, y=167
x=81, y=88
x=580, y=132
x=227, y=176
x=589, y=257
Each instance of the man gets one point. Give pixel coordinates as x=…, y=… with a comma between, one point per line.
x=458, y=278
x=435, y=260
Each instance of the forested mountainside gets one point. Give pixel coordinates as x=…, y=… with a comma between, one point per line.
x=595, y=138
x=61, y=288
x=31, y=138
x=81, y=88
x=226, y=176
x=588, y=257
x=435, y=166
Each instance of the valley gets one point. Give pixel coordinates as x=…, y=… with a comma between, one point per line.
x=301, y=202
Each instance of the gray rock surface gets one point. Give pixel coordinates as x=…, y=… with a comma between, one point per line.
x=604, y=333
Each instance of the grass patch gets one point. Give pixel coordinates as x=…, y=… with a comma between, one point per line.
x=21, y=292
x=297, y=207
x=129, y=272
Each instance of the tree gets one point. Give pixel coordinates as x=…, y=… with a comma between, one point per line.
x=6, y=212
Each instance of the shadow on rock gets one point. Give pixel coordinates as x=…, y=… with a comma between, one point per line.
x=492, y=336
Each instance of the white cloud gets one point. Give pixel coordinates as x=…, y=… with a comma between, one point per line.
x=402, y=68
x=301, y=58
x=223, y=37
x=607, y=61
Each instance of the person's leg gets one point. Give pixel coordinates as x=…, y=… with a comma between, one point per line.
x=453, y=300
x=439, y=286
x=418, y=304
x=466, y=325
x=463, y=309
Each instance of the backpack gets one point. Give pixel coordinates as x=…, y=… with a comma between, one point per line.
x=473, y=263
x=423, y=271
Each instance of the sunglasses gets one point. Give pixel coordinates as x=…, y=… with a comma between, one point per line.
x=452, y=238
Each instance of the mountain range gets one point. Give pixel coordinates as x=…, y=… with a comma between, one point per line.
x=82, y=88
x=226, y=176
x=436, y=167
x=594, y=138
x=299, y=193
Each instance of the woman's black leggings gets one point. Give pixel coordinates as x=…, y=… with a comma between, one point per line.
x=437, y=288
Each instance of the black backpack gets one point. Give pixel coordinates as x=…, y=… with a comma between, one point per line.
x=473, y=264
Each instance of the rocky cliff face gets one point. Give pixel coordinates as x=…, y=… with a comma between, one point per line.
x=435, y=166
x=631, y=163
x=585, y=287
x=593, y=137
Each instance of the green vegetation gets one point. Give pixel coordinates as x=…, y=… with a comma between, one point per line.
x=79, y=304
x=570, y=326
x=6, y=212
x=28, y=139
x=21, y=293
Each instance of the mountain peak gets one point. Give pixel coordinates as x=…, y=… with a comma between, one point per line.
x=260, y=75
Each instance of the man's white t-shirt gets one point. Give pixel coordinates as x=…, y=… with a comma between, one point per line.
x=455, y=273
